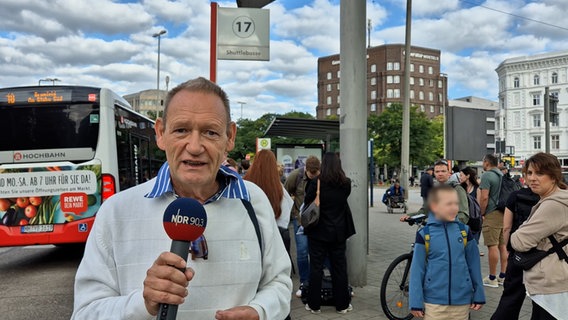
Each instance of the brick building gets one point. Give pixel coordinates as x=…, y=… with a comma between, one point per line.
x=385, y=77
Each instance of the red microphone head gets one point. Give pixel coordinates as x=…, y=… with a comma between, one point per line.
x=185, y=219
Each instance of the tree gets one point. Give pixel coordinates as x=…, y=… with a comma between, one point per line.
x=386, y=130
x=248, y=130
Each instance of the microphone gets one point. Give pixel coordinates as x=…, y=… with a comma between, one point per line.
x=185, y=220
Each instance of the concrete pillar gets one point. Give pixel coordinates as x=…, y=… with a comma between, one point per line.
x=353, y=130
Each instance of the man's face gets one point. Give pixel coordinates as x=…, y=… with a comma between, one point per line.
x=486, y=165
x=442, y=173
x=195, y=138
x=397, y=185
x=312, y=175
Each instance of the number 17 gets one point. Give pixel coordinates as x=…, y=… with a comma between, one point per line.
x=247, y=24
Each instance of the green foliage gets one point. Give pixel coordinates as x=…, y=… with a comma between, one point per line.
x=425, y=137
x=248, y=130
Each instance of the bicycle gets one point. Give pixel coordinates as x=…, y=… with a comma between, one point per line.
x=395, y=284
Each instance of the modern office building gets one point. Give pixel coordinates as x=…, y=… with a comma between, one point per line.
x=146, y=100
x=385, y=81
x=520, y=118
x=470, y=128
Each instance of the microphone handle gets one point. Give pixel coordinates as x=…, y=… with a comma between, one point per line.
x=169, y=311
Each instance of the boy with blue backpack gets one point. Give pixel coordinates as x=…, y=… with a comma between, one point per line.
x=445, y=275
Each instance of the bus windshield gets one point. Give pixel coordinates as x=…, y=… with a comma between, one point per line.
x=52, y=127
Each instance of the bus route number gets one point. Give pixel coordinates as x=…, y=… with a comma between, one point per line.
x=243, y=27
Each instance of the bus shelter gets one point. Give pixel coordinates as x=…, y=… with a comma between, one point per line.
x=325, y=130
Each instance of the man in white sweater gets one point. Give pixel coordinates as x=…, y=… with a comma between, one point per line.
x=127, y=269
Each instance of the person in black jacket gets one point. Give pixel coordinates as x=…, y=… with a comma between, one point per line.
x=328, y=238
x=426, y=183
x=519, y=206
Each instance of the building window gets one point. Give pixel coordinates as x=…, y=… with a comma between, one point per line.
x=338, y=99
x=422, y=108
x=389, y=66
x=329, y=76
x=536, y=120
x=421, y=68
x=440, y=84
x=374, y=94
x=431, y=109
x=389, y=79
x=554, y=121
x=440, y=97
x=329, y=100
x=537, y=142
x=421, y=95
x=536, y=80
x=441, y=110
x=516, y=82
x=411, y=94
x=338, y=112
x=431, y=96
x=517, y=119
x=430, y=70
x=328, y=112
x=373, y=68
x=390, y=93
x=412, y=67
x=431, y=82
x=396, y=79
x=338, y=74
x=554, y=78
x=411, y=81
x=397, y=66
x=373, y=107
x=536, y=99
x=421, y=82
x=397, y=93
x=328, y=87
x=373, y=81
x=555, y=142
x=338, y=86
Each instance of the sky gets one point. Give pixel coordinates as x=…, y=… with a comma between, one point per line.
x=109, y=44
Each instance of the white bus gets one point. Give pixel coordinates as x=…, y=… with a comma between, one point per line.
x=63, y=151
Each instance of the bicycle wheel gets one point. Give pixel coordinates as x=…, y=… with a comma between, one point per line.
x=394, y=289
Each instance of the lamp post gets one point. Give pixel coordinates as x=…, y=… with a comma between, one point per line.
x=242, y=103
x=52, y=80
x=159, y=36
x=444, y=78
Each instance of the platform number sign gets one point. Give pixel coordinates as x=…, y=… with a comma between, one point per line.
x=243, y=34
x=243, y=27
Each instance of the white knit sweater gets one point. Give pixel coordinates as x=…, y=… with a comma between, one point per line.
x=128, y=236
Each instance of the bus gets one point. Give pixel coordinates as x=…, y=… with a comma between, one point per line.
x=63, y=151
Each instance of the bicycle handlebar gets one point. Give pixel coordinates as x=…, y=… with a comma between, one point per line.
x=417, y=219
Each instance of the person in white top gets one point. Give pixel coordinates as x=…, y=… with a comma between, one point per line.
x=127, y=270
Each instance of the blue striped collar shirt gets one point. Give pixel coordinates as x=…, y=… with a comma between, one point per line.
x=232, y=186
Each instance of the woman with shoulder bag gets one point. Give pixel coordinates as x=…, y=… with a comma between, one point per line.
x=327, y=238
x=546, y=227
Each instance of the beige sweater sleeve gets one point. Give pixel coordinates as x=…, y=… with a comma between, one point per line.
x=549, y=217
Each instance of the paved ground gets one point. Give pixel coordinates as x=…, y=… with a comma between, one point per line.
x=390, y=238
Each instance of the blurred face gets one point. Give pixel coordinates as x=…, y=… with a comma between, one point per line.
x=196, y=139
x=486, y=165
x=539, y=183
x=447, y=206
x=442, y=173
x=397, y=185
x=463, y=177
x=312, y=175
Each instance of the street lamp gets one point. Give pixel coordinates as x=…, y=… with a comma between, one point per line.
x=241, y=103
x=444, y=78
x=52, y=80
x=159, y=36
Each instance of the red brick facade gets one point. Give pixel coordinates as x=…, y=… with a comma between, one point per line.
x=385, y=77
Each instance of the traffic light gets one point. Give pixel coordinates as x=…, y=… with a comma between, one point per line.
x=553, y=108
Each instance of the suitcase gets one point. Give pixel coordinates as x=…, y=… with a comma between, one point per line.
x=326, y=292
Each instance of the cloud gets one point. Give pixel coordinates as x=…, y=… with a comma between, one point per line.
x=428, y=7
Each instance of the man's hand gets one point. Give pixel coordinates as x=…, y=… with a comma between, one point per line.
x=166, y=284
x=476, y=306
x=237, y=313
x=417, y=313
x=404, y=218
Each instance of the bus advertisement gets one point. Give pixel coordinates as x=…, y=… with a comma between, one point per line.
x=64, y=150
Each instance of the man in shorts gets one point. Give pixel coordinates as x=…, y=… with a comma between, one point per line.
x=492, y=221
